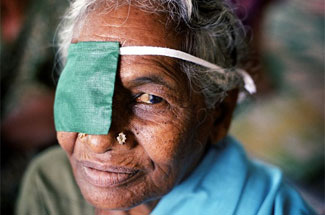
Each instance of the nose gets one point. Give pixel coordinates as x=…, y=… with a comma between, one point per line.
x=111, y=141
x=99, y=143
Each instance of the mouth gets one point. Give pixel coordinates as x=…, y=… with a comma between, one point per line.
x=107, y=176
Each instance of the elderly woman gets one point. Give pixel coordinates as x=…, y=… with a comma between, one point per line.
x=142, y=111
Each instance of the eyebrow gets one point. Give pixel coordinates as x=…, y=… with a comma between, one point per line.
x=150, y=79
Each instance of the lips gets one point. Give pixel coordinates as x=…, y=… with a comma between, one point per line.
x=107, y=176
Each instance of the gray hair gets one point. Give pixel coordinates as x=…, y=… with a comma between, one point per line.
x=211, y=32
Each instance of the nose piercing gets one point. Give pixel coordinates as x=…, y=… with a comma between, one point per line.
x=82, y=135
x=121, y=138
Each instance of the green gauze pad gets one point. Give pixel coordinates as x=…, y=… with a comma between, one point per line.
x=83, y=100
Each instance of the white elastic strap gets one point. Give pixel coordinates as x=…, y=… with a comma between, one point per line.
x=151, y=50
x=249, y=82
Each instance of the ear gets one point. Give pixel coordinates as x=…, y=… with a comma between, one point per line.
x=222, y=115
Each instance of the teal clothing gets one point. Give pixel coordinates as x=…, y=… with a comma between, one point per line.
x=226, y=182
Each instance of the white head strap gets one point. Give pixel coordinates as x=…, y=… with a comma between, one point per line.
x=151, y=50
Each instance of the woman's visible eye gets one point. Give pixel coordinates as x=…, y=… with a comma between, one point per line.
x=148, y=99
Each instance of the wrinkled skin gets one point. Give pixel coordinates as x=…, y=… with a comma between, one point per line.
x=165, y=141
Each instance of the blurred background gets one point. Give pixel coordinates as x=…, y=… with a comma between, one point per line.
x=282, y=124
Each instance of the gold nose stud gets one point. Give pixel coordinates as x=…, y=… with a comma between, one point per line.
x=82, y=135
x=121, y=138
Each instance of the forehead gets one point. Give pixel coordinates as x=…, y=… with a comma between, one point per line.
x=131, y=27
x=128, y=25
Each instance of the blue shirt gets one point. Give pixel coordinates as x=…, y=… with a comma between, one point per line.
x=226, y=182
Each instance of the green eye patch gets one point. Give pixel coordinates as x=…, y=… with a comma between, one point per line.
x=83, y=100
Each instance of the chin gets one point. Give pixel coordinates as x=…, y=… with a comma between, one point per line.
x=113, y=198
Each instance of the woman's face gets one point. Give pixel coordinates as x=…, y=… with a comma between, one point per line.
x=152, y=106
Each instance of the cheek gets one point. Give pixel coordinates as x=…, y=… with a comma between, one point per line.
x=169, y=145
x=67, y=141
x=160, y=140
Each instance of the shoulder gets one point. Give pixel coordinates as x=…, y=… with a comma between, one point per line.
x=49, y=168
x=266, y=191
x=49, y=187
x=45, y=160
